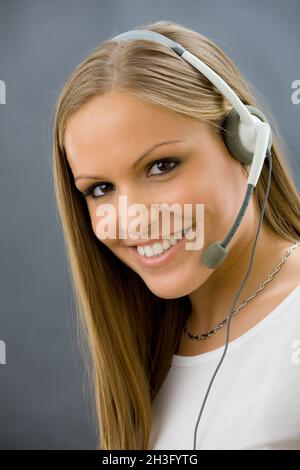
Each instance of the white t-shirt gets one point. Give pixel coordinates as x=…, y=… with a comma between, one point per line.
x=254, y=401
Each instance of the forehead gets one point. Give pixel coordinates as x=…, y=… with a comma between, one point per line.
x=117, y=121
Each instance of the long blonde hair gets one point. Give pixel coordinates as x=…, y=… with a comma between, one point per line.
x=130, y=333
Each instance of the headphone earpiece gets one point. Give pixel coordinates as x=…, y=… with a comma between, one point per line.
x=232, y=137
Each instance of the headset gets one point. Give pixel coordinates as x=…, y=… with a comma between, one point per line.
x=248, y=137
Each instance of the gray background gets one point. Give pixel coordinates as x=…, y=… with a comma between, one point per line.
x=43, y=403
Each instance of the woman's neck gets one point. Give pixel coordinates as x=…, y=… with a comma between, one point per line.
x=213, y=300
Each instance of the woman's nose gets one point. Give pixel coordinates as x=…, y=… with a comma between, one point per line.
x=133, y=211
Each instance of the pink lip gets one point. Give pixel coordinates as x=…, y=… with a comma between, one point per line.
x=159, y=260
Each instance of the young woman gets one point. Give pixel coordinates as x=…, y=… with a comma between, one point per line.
x=137, y=98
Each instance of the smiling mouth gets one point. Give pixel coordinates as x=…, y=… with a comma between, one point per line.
x=158, y=252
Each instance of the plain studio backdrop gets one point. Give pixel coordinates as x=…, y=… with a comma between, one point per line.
x=43, y=402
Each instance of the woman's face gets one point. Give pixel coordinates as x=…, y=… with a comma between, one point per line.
x=103, y=141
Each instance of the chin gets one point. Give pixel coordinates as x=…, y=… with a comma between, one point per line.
x=167, y=293
x=168, y=289
x=170, y=279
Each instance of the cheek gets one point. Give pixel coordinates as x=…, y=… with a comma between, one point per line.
x=220, y=204
x=99, y=226
x=220, y=211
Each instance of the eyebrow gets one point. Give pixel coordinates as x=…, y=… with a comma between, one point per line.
x=138, y=161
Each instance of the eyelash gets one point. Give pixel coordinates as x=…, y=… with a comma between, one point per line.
x=89, y=191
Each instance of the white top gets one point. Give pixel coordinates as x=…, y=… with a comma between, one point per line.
x=254, y=401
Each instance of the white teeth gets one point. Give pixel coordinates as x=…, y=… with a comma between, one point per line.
x=166, y=244
x=148, y=250
x=176, y=236
x=157, y=248
x=140, y=250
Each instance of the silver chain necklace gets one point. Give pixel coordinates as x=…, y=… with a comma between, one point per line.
x=262, y=286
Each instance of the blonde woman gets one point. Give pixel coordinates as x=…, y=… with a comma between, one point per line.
x=136, y=120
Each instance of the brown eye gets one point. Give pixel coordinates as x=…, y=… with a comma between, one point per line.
x=94, y=191
x=164, y=165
